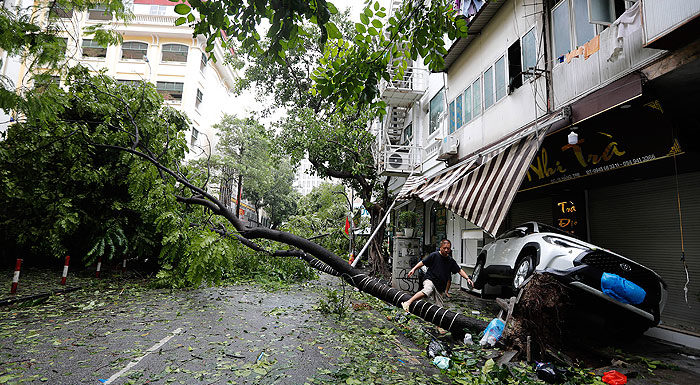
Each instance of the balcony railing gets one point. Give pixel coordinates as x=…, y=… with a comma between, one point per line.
x=399, y=160
x=155, y=20
x=579, y=77
x=405, y=90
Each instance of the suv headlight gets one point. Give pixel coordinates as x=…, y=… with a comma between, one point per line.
x=562, y=242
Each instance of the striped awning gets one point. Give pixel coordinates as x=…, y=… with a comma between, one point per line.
x=411, y=186
x=483, y=187
x=485, y=194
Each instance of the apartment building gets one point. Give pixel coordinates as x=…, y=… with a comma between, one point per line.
x=156, y=51
x=573, y=113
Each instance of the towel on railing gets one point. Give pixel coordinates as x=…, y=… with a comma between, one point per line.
x=628, y=23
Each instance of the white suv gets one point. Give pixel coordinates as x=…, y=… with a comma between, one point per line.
x=512, y=257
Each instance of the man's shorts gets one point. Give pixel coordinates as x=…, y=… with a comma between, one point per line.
x=430, y=291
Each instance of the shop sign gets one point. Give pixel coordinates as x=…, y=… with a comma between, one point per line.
x=597, y=151
x=569, y=215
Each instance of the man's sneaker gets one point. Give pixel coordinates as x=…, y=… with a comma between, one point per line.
x=405, y=306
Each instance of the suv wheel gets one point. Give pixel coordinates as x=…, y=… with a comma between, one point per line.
x=523, y=269
x=478, y=275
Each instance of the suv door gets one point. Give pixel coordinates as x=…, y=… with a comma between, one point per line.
x=503, y=248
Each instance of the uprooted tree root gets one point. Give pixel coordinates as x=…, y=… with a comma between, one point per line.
x=541, y=313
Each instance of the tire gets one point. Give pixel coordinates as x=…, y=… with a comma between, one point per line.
x=478, y=275
x=523, y=270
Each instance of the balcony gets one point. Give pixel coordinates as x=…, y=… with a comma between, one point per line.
x=155, y=20
x=670, y=27
x=405, y=90
x=579, y=77
x=399, y=160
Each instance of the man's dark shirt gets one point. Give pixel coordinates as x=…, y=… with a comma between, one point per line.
x=440, y=269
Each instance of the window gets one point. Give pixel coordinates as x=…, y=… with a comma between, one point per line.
x=572, y=27
x=195, y=136
x=500, y=74
x=170, y=90
x=157, y=10
x=92, y=48
x=130, y=82
x=488, y=88
x=99, y=12
x=437, y=107
x=452, y=116
x=601, y=11
x=199, y=99
x=203, y=62
x=476, y=98
x=134, y=50
x=408, y=134
x=584, y=30
x=529, y=44
x=515, y=67
x=61, y=11
x=468, y=104
x=174, y=53
x=458, y=111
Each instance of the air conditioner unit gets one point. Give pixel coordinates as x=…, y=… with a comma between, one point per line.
x=448, y=147
x=397, y=163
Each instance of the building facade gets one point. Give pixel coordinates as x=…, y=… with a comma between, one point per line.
x=154, y=50
x=574, y=113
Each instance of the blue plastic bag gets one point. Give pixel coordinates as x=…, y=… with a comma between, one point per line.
x=492, y=332
x=621, y=289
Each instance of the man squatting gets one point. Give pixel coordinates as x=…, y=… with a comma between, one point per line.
x=441, y=266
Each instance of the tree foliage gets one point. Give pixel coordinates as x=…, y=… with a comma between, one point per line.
x=247, y=154
x=61, y=195
x=322, y=214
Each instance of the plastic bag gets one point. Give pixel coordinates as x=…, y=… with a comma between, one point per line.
x=436, y=348
x=614, y=377
x=492, y=332
x=442, y=362
x=549, y=373
x=621, y=289
x=468, y=339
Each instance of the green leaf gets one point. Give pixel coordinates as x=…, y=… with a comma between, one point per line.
x=182, y=9
x=180, y=20
x=376, y=23
x=360, y=28
x=364, y=19
x=333, y=32
x=331, y=8
x=190, y=18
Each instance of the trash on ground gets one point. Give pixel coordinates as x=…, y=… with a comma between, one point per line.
x=441, y=362
x=621, y=289
x=549, y=373
x=400, y=317
x=476, y=312
x=436, y=348
x=614, y=377
x=492, y=332
x=468, y=339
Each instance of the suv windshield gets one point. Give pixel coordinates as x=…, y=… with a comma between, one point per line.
x=551, y=229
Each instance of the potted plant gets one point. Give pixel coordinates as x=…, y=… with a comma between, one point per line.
x=407, y=220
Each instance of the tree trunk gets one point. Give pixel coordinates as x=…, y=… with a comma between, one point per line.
x=376, y=256
x=456, y=323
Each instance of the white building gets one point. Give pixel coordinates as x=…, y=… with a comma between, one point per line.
x=483, y=146
x=304, y=180
x=156, y=51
